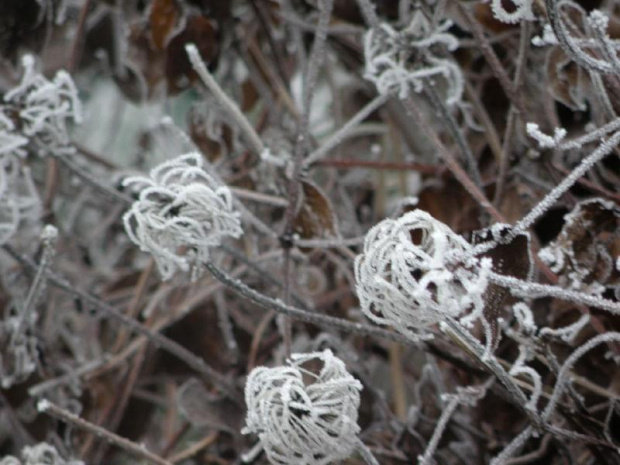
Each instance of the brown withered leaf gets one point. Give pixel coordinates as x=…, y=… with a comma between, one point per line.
x=565, y=79
x=201, y=31
x=315, y=217
x=588, y=247
x=162, y=19
x=510, y=257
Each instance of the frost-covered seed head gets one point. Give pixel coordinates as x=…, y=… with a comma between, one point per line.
x=302, y=415
x=45, y=106
x=388, y=58
x=415, y=271
x=180, y=206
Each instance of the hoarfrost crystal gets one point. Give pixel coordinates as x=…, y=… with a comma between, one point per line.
x=304, y=416
x=180, y=205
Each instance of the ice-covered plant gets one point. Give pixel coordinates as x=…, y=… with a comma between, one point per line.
x=181, y=213
x=401, y=60
x=45, y=107
x=304, y=414
x=40, y=454
x=19, y=200
x=415, y=272
x=522, y=11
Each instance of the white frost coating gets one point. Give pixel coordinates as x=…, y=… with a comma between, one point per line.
x=522, y=12
x=387, y=53
x=19, y=200
x=180, y=205
x=545, y=141
x=412, y=286
x=570, y=332
x=43, y=405
x=45, y=106
x=304, y=416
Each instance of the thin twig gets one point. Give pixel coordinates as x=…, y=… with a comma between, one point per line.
x=45, y=406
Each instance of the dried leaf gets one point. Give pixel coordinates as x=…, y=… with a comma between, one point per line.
x=587, y=249
x=315, y=218
x=201, y=31
x=510, y=257
x=162, y=19
x=565, y=79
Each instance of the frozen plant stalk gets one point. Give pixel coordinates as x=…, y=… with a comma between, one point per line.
x=415, y=272
x=304, y=416
x=180, y=207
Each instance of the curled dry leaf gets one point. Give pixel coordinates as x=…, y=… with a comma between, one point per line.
x=565, y=79
x=315, y=217
x=586, y=252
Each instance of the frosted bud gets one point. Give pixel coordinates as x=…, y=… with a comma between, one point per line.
x=181, y=213
x=415, y=272
x=304, y=413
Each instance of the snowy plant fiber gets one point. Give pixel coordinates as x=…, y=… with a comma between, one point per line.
x=180, y=207
x=411, y=286
x=302, y=416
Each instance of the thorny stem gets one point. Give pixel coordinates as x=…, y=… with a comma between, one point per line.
x=157, y=339
x=45, y=406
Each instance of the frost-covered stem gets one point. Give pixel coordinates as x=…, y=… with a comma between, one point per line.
x=564, y=374
x=223, y=319
x=453, y=127
x=315, y=318
x=586, y=164
x=534, y=289
x=519, y=399
x=369, y=13
x=450, y=161
x=90, y=179
x=366, y=454
x=490, y=131
x=446, y=414
x=489, y=54
x=159, y=340
x=591, y=136
x=513, y=447
x=49, y=236
x=251, y=137
x=342, y=133
x=138, y=450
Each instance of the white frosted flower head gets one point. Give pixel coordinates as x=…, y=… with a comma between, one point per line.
x=180, y=207
x=45, y=107
x=304, y=415
x=388, y=57
x=415, y=272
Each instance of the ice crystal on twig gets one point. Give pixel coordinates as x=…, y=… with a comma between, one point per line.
x=398, y=60
x=415, y=272
x=180, y=207
x=303, y=414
